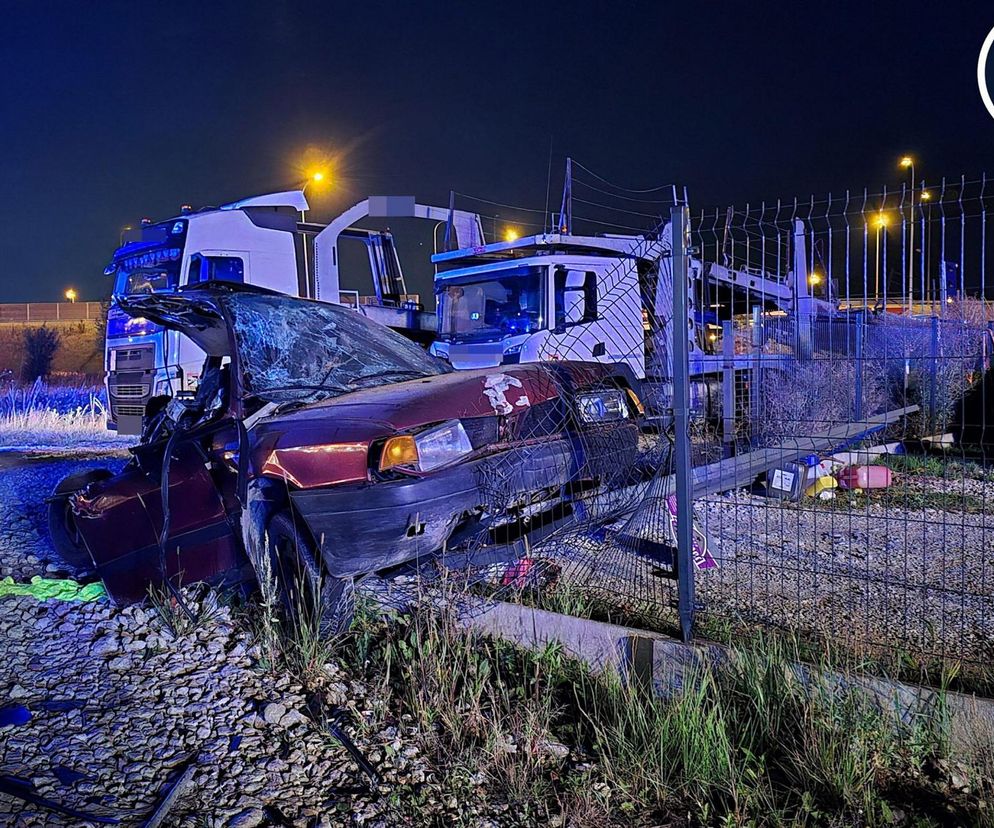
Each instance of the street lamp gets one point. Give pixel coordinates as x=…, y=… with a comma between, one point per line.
x=71, y=294
x=126, y=229
x=814, y=279
x=316, y=177
x=908, y=163
x=510, y=235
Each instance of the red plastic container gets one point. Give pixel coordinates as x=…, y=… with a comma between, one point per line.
x=864, y=477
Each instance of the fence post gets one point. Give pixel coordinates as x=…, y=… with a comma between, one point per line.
x=756, y=384
x=680, y=225
x=933, y=372
x=858, y=384
x=728, y=387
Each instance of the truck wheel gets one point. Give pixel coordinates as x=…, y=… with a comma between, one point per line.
x=307, y=593
x=62, y=529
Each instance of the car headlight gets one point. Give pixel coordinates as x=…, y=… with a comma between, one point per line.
x=429, y=450
x=602, y=406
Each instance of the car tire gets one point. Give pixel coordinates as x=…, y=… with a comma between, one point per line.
x=308, y=595
x=68, y=544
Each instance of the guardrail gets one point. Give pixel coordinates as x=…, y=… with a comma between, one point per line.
x=25, y=312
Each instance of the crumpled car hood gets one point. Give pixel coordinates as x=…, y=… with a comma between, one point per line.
x=477, y=393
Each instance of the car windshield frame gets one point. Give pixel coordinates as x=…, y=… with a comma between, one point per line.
x=525, y=288
x=298, y=350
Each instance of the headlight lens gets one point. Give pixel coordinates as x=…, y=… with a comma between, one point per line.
x=428, y=450
x=602, y=406
x=442, y=445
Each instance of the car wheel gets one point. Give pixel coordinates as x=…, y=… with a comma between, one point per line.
x=307, y=593
x=68, y=543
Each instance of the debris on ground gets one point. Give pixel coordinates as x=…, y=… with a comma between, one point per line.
x=60, y=589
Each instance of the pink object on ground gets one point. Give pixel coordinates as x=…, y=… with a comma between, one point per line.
x=864, y=477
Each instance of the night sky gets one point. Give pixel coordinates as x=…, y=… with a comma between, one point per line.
x=112, y=111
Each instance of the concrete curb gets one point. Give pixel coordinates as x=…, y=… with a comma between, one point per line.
x=636, y=655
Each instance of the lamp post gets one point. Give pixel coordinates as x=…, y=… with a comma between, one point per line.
x=314, y=178
x=908, y=163
x=880, y=223
x=71, y=295
x=926, y=197
x=127, y=228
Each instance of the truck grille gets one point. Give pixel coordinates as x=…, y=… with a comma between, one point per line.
x=130, y=390
x=129, y=410
x=134, y=359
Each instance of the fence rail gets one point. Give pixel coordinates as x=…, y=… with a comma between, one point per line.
x=29, y=312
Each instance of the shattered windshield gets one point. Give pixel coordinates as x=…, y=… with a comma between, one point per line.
x=493, y=305
x=297, y=350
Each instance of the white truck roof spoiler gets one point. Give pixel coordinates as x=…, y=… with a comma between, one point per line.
x=289, y=198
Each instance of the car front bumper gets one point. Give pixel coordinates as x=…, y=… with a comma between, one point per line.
x=367, y=528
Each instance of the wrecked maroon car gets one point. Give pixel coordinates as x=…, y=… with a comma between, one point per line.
x=322, y=447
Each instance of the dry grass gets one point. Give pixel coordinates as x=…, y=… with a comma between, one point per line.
x=752, y=742
x=46, y=416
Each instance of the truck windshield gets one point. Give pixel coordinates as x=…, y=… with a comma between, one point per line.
x=150, y=270
x=491, y=306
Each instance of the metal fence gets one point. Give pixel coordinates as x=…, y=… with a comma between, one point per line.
x=841, y=490
x=30, y=312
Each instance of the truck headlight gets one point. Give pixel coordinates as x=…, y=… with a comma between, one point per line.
x=602, y=406
x=429, y=450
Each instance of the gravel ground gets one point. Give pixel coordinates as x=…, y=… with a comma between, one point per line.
x=922, y=579
x=118, y=703
x=26, y=479
x=918, y=579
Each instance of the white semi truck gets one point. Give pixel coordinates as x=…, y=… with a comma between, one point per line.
x=607, y=298
x=261, y=241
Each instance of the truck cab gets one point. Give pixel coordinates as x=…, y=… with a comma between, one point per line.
x=555, y=297
x=253, y=242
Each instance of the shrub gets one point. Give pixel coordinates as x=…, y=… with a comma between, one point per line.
x=805, y=398
x=40, y=346
x=932, y=368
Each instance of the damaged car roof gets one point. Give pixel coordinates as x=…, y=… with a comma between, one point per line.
x=288, y=349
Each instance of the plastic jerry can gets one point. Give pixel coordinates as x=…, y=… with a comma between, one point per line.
x=864, y=477
x=824, y=483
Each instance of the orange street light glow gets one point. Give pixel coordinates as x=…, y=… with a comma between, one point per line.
x=71, y=294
